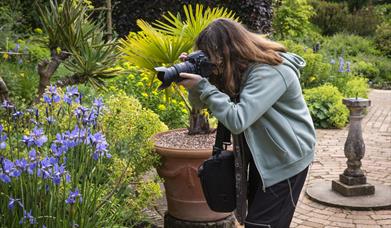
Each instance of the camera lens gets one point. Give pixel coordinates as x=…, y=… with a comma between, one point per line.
x=167, y=75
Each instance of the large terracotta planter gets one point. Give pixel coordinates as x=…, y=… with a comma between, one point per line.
x=185, y=199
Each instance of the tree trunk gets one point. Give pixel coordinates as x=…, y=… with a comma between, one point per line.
x=46, y=69
x=199, y=123
x=4, y=94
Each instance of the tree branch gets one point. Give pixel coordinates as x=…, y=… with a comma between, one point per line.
x=4, y=94
x=47, y=68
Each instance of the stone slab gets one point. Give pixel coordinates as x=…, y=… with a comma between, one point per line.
x=352, y=180
x=353, y=190
x=320, y=191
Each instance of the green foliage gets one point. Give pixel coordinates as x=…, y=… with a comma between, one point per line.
x=171, y=109
x=128, y=127
x=21, y=80
x=366, y=69
x=162, y=45
x=362, y=22
x=291, y=19
x=355, y=87
x=317, y=69
x=69, y=28
x=326, y=108
x=336, y=17
x=329, y=16
x=194, y=22
x=348, y=45
x=383, y=38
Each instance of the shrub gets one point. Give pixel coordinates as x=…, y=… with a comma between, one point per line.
x=317, y=69
x=383, y=38
x=254, y=13
x=171, y=109
x=291, y=19
x=329, y=16
x=21, y=80
x=355, y=87
x=326, y=108
x=362, y=22
x=128, y=127
x=348, y=45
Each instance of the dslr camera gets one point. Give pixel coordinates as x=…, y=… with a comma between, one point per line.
x=196, y=63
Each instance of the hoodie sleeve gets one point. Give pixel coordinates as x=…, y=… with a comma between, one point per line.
x=263, y=87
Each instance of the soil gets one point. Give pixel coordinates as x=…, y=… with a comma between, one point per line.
x=180, y=139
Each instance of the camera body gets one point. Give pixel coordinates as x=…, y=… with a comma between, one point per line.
x=196, y=63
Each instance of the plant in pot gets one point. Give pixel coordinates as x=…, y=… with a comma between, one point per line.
x=182, y=150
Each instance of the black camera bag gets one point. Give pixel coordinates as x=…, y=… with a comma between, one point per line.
x=217, y=174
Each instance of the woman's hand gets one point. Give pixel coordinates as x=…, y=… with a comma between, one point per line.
x=189, y=80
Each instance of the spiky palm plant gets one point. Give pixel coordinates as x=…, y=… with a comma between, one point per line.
x=162, y=42
x=78, y=42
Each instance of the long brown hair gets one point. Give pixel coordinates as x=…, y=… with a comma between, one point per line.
x=233, y=48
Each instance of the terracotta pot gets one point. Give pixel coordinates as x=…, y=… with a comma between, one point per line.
x=185, y=199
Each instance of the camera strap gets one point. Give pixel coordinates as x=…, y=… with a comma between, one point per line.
x=223, y=139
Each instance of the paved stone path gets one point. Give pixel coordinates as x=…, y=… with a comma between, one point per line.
x=330, y=162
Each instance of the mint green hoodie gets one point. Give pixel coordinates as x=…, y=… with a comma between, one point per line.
x=272, y=114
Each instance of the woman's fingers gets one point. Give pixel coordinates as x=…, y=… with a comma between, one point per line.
x=183, y=56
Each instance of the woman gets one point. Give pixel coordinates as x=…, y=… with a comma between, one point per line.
x=271, y=112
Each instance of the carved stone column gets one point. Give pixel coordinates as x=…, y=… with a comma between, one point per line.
x=353, y=182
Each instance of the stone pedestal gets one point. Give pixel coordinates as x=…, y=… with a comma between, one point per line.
x=353, y=182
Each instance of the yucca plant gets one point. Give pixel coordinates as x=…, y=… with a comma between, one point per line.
x=162, y=42
x=78, y=42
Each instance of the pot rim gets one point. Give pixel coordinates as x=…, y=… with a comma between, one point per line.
x=180, y=152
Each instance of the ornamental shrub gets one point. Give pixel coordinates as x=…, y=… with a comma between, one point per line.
x=346, y=45
x=291, y=19
x=355, y=87
x=172, y=110
x=383, y=38
x=326, y=107
x=317, y=69
x=129, y=127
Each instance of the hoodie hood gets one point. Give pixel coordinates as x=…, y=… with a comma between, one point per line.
x=294, y=61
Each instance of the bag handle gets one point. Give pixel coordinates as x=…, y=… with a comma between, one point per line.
x=223, y=139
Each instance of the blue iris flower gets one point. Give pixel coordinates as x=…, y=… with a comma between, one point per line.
x=73, y=196
x=27, y=216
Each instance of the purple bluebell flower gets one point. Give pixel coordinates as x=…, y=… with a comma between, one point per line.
x=5, y=178
x=3, y=138
x=341, y=64
x=27, y=216
x=17, y=114
x=20, y=61
x=36, y=138
x=47, y=99
x=50, y=120
x=73, y=196
x=17, y=46
x=31, y=167
x=33, y=155
x=12, y=202
x=98, y=102
x=347, y=66
x=7, y=105
x=21, y=163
